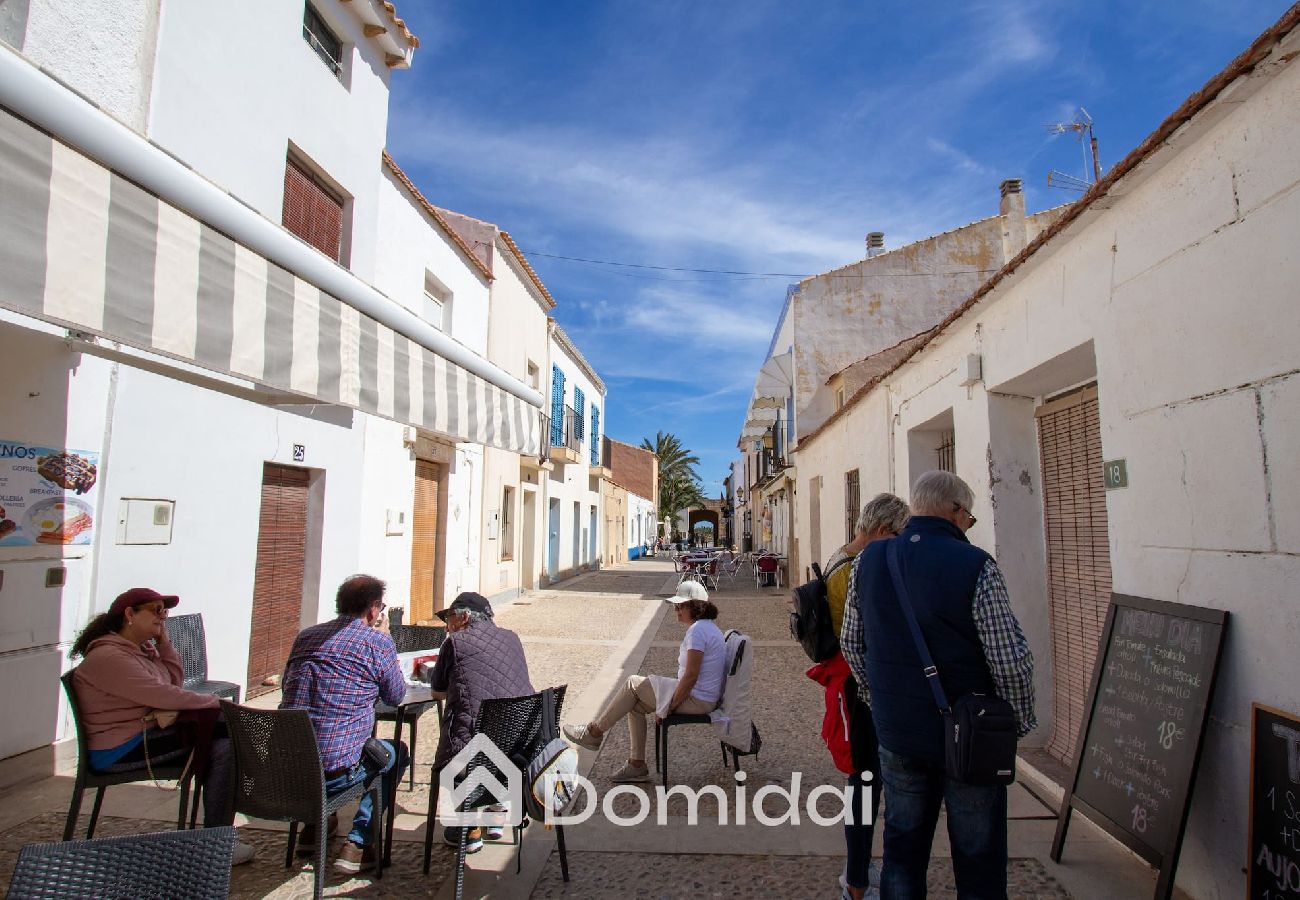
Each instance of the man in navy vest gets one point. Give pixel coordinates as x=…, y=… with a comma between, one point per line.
x=961, y=603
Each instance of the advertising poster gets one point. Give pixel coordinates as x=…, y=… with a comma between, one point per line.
x=47, y=495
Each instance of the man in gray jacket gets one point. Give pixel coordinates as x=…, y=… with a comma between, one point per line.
x=478, y=661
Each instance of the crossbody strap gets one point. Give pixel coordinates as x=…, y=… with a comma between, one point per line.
x=905, y=601
x=548, y=715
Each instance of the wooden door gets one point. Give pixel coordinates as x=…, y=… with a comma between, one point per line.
x=278, y=583
x=424, y=542
x=1078, y=554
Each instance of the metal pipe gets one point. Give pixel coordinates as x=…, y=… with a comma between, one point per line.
x=49, y=104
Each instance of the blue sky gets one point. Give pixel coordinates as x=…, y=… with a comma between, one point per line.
x=763, y=137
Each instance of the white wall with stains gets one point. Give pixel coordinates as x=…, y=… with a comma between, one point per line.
x=1177, y=295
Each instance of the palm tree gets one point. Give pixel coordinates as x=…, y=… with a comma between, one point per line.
x=679, y=484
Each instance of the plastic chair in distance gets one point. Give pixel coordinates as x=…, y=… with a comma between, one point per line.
x=408, y=639
x=514, y=724
x=279, y=776
x=191, y=641
x=166, y=767
x=767, y=565
x=165, y=865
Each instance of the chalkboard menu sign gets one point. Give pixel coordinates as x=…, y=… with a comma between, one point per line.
x=1274, y=805
x=1141, y=741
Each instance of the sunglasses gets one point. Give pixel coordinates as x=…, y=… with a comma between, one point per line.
x=157, y=609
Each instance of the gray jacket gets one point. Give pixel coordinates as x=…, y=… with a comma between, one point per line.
x=479, y=663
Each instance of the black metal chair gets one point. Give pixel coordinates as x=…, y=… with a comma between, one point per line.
x=278, y=776
x=191, y=641
x=514, y=724
x=409, y=638
x=166, y=767
x=167, y=865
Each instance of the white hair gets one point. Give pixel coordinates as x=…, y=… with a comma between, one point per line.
x=938, y=493
x=884, y=512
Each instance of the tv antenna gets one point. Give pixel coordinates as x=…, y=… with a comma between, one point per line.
x=1081, y=126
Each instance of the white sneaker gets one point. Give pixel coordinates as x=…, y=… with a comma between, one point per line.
x=630, y=773
x=582, y=736
x=244, y=853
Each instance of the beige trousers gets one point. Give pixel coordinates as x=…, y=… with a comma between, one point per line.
x=636, y=700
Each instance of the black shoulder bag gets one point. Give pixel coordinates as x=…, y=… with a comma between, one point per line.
x=980, y=730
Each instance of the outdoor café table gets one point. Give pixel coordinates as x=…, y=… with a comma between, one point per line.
x=417, y=692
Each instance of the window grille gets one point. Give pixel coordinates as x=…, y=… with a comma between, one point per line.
x=852, y=504
x=947, y=451
x=319, y=37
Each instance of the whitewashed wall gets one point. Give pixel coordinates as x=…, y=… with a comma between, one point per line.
x=640, y=523
x=516, y=336
x=245, y=64
x=103, y=48
x=1179, y=298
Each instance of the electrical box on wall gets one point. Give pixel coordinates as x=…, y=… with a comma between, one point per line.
x=494, y=524
x=396, y=521
x=145, y=521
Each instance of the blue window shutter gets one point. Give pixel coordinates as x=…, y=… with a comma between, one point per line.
x=579, y=401
x=595, y=435
x=557, y=406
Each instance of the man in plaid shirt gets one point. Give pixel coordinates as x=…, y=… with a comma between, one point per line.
x=959, y=598
x=336, y=671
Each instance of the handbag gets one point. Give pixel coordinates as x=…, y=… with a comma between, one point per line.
x=980, y=731
x=550, y=776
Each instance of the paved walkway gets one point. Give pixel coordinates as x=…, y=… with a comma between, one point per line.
x=590, y=633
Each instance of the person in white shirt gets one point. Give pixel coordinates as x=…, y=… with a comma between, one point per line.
x=701, y=669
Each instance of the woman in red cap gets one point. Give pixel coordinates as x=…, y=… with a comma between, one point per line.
x=130, y=675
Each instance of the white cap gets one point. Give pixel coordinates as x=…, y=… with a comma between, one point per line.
x=689, y=590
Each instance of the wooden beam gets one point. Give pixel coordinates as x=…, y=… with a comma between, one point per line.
x=392, y=60
x=375, y=30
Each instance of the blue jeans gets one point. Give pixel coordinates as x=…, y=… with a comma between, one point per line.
x=398, y=760
x=977, y=830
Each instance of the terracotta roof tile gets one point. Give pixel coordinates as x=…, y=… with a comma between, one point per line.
x=519, y=254
x=435, y=215
x=401, y=25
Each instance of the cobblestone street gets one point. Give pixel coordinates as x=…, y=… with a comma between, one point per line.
x=590, y=633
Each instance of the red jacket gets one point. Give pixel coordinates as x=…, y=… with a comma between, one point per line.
x=832, y=674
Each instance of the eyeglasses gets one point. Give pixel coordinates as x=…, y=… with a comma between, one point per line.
x=969, y=514
x=157, y=609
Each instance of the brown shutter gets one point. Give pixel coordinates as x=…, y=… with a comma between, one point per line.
x=1078, y=554
x=424, y=541
x=278, y=583
x=311, y=210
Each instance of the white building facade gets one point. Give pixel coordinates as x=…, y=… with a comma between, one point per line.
x=572, y=486
x=1154, y=325
x=254, y=381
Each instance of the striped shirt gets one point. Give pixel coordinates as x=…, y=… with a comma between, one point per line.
x=336, y=671
x=1005, y=649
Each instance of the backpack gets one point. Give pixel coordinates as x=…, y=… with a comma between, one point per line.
x=549, y=783
x=810, y=622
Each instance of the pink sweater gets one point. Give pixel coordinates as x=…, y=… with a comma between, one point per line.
x=119, y=682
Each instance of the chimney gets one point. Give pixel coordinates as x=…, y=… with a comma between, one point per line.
x=875, y=243
x=1011, y=209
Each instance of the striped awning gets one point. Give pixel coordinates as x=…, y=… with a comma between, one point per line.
x=84, y=247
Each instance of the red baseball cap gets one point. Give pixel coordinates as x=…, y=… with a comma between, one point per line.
x=140, y=596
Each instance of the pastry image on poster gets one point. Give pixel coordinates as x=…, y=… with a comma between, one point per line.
x=47, y=495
